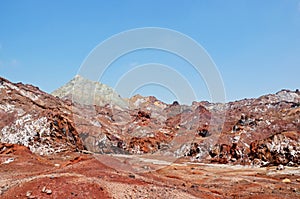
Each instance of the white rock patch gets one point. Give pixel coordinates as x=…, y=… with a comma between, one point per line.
x=23, y=131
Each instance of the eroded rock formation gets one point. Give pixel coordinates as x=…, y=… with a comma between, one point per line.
x=259, y=131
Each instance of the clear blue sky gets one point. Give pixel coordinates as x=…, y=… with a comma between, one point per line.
x=255, y=44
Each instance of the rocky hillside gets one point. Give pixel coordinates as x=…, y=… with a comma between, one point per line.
x=260, y=131
x=36, y=120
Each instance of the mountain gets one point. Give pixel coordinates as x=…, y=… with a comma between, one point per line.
x=103, y=122
x=88, y=92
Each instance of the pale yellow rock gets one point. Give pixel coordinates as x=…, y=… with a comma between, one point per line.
x=286, y=180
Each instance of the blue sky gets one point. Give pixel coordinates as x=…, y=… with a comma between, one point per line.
x=255, y=44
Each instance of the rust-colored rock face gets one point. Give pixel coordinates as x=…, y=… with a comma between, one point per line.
x=55, y=148
x=278, y=149
x=36, y=120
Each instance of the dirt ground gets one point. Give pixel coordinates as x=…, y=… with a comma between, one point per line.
x=75, y=175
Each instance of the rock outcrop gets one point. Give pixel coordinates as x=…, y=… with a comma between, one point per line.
x=278, y=149
x=35, y=119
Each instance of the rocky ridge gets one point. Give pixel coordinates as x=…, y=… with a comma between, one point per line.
x=103, y=122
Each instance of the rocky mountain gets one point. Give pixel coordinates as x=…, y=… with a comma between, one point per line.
x=102, y=122
x=109, y=147
x=88, y=92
